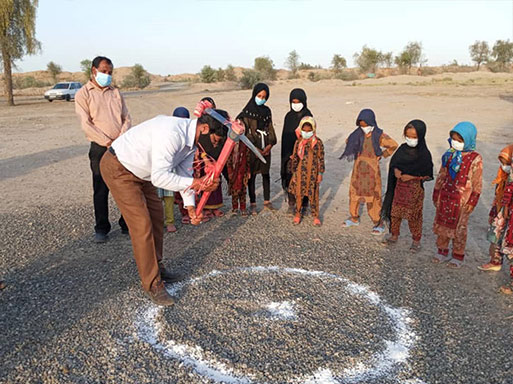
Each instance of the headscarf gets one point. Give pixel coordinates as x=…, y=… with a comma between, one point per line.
x=288, y=137
x=468, y=132
x=502, y=177
x=302, y=143
x=355, y=140
x=413, y=161
x=181, y=112
x=260, y=113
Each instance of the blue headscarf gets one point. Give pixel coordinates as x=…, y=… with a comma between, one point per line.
x=355, y=140
x=468, y=132
x=181, y=112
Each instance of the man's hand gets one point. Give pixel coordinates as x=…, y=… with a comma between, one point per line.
x=201, y=106
x=266, y=150
x=199, y=185
x=194, y=219
x=238, y=127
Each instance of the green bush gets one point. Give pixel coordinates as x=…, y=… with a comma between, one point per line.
x=230, y=73
x=139, y=78
x=208, y=74
x=265, y=66
x=220, y=74
x=347, y=76
x=249, y=78
x=312, y=76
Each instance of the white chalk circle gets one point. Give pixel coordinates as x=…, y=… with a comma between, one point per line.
x=384, y=364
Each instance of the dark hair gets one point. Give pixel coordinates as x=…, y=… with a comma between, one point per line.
x=215, y=126
x=210, y=100
x=98, y=59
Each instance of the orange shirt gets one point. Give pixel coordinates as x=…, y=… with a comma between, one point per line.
x=103, y=113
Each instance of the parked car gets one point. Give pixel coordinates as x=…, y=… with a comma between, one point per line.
x=63, y=91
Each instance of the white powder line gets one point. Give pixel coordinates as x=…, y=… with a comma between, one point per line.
x=381, y=364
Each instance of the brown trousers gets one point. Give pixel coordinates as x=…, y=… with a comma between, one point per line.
x=142, y=209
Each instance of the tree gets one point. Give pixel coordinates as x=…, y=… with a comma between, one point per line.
x=220, y=74
x=502, y=53
x=54, y=69
x=410, y=56
x=479, y=52
x=230, y=73
x=208, y=74
x=292, y=62
x=265, y=66
x=249, y=78
x=86, y=65
x=338, y=63
x=17, y=36
x=387, y=59
x=138, y=78
x=368, y=59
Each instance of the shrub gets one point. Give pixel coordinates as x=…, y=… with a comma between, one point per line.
x=138, y=78
x=54, y=69
x=220, y=74
x=265, y=66
x=86, y=65
x=29, y=82
x=230, y=73
x=208, y=74
x=249, y=78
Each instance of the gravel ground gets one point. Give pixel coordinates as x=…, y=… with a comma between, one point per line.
x=73, y=311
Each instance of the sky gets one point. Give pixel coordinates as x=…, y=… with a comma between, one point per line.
x=172, y=37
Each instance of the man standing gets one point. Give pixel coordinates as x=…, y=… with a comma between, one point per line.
x=156, y=153
x=103, y=117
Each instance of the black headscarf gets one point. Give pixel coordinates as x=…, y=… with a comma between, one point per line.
x=260, y=113
x=288, y=136
x=355, y=140
x=413, y=161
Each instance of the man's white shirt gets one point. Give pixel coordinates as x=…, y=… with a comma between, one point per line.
x=161, y=150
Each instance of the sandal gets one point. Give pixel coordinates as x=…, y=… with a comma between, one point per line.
x=297, y=219
x=378, y=230
x=455, y=263
x=269, y=206
x=218, y=213
x=490, y=267
x=317, y=222
x=244, y=213
x=350, y=223
x=186, y=220
x=171, y=228
x=415, y=246
x=207, y=214
x=388, y=240
x=507, y=289
x=440, y=259
x=253, y=210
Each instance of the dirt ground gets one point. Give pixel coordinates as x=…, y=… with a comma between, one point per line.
x=44, y=165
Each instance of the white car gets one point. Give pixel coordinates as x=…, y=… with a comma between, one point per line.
x=63, y=91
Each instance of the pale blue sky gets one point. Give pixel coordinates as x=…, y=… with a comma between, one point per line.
x=170, y=37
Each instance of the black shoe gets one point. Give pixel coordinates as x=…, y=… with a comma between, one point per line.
x=100, y=238
x=169, y=277
x=124, y=231
x=160, y=296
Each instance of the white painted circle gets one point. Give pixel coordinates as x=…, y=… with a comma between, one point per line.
x=382, y=364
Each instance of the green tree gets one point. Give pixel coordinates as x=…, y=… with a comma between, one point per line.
x=249, y=78
x=387, y=59
x=220, y=74
x=265, y=66
x=410, y=56
x=368, y=59
x=208, y=74
x=502, y=53
x=138, y=78
x=479, y=52
x=86, y=65
x=230, y=73
x=17, y=36
x=292, y=62
x=54, y=69
x=338, y=63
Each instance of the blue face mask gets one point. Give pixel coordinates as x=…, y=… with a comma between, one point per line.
x=103, y=79
x=259, y=101
x=306, y=135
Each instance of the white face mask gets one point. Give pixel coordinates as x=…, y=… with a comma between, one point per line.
x=506, y=168
x=457, y=145
x=367, y=130
x=296, y=107
x=306, y=135
x=411, y=142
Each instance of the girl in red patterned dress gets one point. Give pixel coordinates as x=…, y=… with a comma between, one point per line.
x=456, y=193
x=410, y=166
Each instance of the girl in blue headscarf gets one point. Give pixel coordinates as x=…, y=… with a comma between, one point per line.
x=366, y=145
x=456, y=193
